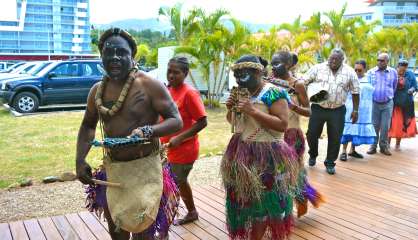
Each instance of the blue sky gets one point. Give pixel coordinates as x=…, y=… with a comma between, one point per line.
x=256, y=11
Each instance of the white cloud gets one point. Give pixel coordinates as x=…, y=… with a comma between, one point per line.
x=256, y=11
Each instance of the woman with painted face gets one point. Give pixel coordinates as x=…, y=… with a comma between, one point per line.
x=283, y=62
x=258, y=167
x=183, y=146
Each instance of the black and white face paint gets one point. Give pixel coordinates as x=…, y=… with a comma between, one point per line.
x=117, y=58
x=246, y=78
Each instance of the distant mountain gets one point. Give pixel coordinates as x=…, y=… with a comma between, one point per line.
x=155, y=25
x=253, y=27
x=137, y=24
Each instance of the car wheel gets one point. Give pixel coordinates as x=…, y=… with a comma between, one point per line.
x=26, y=102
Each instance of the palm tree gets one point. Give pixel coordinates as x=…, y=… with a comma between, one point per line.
x=411, y=40
x=142, y=53
x=183, y=26
x=294, y=28
x=318, y=45
x=205, y=46
x=339, y=27
x=234, y=44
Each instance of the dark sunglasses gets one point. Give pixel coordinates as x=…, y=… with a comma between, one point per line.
x=358, y=70
x=381, y=60
x=403, y=64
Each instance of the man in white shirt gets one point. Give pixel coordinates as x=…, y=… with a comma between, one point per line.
x=339, y=79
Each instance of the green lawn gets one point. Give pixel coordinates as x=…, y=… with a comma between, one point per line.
x=44, y=145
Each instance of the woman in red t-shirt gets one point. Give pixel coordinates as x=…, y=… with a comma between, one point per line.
x=183, y=147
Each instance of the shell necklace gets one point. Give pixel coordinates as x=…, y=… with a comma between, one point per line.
x=122, y=97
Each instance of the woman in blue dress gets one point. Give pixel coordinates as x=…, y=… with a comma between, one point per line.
x=363, y=131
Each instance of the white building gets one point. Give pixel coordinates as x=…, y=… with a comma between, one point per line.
x=391, y=13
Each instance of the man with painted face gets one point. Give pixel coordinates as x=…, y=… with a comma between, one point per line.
x=339, y=79
x=258, y=167
x=128, y=103
x=384, y=79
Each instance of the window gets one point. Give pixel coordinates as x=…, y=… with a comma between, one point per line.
x=89, y=69
x=67, y=70
x=389, y=16
x=368, y=17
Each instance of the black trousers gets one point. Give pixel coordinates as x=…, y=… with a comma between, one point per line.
x=335, y=126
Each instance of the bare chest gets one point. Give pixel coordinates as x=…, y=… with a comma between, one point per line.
x=136, y=111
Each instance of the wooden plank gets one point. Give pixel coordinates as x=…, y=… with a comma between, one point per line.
x=79, y=227
x=362, y=204
x=49, y=229
x=296, y=237
x=302, y=233
x=368, y=222
x=373, y=201
x=18, y=230
x=34, y=230
x=362, y=222
x=95, y=226
x=183, y=233
x=328, y=229
x=203, y=228
x=315, y=231
x=101, y=221
x=5, y=233
x=213, y=201
x=64, y=228
x=173, y=236
x=382, y=229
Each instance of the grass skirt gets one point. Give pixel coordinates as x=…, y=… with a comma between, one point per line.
x=257, y=177
x=303, y=190
x=96, y=201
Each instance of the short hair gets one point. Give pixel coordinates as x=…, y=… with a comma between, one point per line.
x=295, y=58
x=248, y=58
x=283, y=57
x=263, y=61
x=384, y=54
x=117, y=32
x=183, y=62
x=361, y=62
x=403, y=63
x=338, y=51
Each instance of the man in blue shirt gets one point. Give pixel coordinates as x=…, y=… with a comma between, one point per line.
x=384, y=80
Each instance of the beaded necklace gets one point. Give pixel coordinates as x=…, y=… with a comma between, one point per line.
x=122, y=97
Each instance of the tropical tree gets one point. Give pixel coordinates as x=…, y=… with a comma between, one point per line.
x=183, y=26
x=411, y=40
x=142, y=52
x=205, y=46
x=339, y=27
x=265, y=44
x=234, y=44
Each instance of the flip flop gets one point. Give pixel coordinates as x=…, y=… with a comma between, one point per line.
x=187, y=219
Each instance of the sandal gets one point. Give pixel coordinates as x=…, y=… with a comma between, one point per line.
x=355, y=154
x=343, y=157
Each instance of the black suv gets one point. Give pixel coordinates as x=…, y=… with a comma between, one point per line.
x=61, y=82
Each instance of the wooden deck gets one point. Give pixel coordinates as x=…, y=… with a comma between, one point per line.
x=373, y=198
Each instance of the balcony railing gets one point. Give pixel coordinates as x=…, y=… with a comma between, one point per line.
x=398, y=22
x=400, y=9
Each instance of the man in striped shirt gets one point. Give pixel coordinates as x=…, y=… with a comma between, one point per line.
x=340, y=79
x=384, y=80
